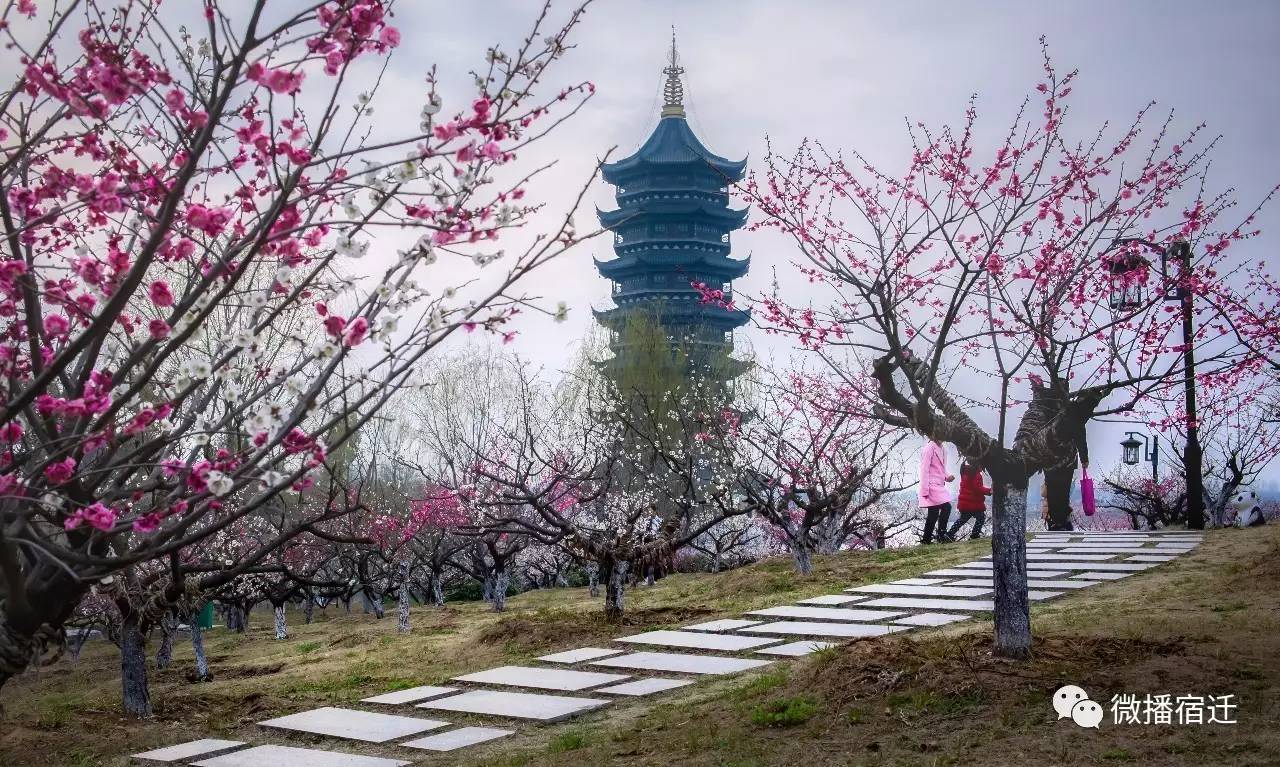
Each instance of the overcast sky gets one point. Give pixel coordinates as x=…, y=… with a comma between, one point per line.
x=849, y=73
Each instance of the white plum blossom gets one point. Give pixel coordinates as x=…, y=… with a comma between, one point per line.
x=562, y=312
x=349, y=247
x=219, y=484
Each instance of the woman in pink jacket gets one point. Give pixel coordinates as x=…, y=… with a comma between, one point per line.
x=935, y=498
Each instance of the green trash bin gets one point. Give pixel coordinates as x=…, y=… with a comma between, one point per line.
x=206, y=616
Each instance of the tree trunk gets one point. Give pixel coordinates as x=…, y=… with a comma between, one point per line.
x=168, y=627
x=500, y=582
x=133, y=668
x=437, y=590
x=593, y=579
x=800, y=552
x=282, y=627
x=402, y=615
x=716, y=561
x=486, y=587
x=615, y=590
x=1009, y=569
x=308, y=608
x=197, y=646
x=372, y=605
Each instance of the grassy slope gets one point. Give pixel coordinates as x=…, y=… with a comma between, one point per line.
x=1206, y=623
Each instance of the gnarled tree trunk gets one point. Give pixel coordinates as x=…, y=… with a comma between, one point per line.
x=168, y=627
x=1009, y=570
x=501, y=579
x=593, y=579
x=615, y=590
x=802, y=555
x=402, y=609
x=133, y=667
x=281, y=625
x=197, y=647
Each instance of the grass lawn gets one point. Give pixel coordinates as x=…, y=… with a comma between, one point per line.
x=1205, y=624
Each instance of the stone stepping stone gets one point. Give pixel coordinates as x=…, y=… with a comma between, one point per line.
x=987, y=565
x=645, y=686
x=1096, y=576
x=580, y=654
x=1106, y=566
x=931, y=619
x=411, y=695
x=831, y=600
x=680, y=663
x=819, y=629
x=560, y=679
x=517, y=705
x=925, y=591
x=1149, y=558
x=796, y=649
x=355, y=725
x=695, y=640
x=971, y=573
x=1036, y=596
x=1074, y=550
x=288, y=756
x=825, y=613
x=1057, y=583
x=1070, y=557
x=459, y=738
x=918, y=581
x=919, y=603
x=184, y=751
x=728, y=624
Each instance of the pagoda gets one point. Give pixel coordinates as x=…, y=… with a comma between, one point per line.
x=671, y=229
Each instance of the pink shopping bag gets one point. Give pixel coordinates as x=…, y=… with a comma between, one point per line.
x=1086, y=494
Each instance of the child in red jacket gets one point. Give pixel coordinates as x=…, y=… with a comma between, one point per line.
x=972, y=503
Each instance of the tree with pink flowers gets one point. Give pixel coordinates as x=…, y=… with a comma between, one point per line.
x=193, y=319
x=997, y=294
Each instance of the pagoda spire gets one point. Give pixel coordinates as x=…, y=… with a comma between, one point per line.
x=673, y=91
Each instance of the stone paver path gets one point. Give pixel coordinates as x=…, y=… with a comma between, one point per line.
x=1058, y=564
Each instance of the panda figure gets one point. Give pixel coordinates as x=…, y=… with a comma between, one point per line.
x=1248, y=508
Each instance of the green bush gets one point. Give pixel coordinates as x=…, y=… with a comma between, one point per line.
x=784, y=712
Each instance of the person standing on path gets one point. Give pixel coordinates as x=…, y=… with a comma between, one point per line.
x=935, y=499
x=972, y=501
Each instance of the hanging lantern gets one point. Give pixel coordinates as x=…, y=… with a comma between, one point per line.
x=1131, y=446
x=1129, y=272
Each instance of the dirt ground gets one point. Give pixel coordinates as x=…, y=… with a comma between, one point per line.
x=1206, y=624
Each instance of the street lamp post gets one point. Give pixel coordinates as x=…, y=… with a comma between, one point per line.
x=1126, y=297
x=1138, y=450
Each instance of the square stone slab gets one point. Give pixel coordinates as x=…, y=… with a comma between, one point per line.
x=1070, y=557
x=920, y=603
x=459, y=738
x=816, y=629
x=1032, y=583
x=1149, y=558
x=1074, y=550
x=931, y=619
x=541, y=678
x=1094, y=576
x=825, y=613
x=831, y=600
x=728, y=624
x=411, y=695
x=680, y=663
x=796, y=649
x=1105, y=566
x=645, y=686
x=184, y=751
x=353, y=724
x=918, y=582
x=518, y=705
x=695, y=640
x=977, y=573
x=1036, y=596
x=288, y=756
x=925, y=591
x=580, y=654
x=987, y=565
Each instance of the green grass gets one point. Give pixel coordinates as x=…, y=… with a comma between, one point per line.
x=567, y=741
x=784, y=712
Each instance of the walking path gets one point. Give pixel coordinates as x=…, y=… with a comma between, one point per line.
x=655, y=662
